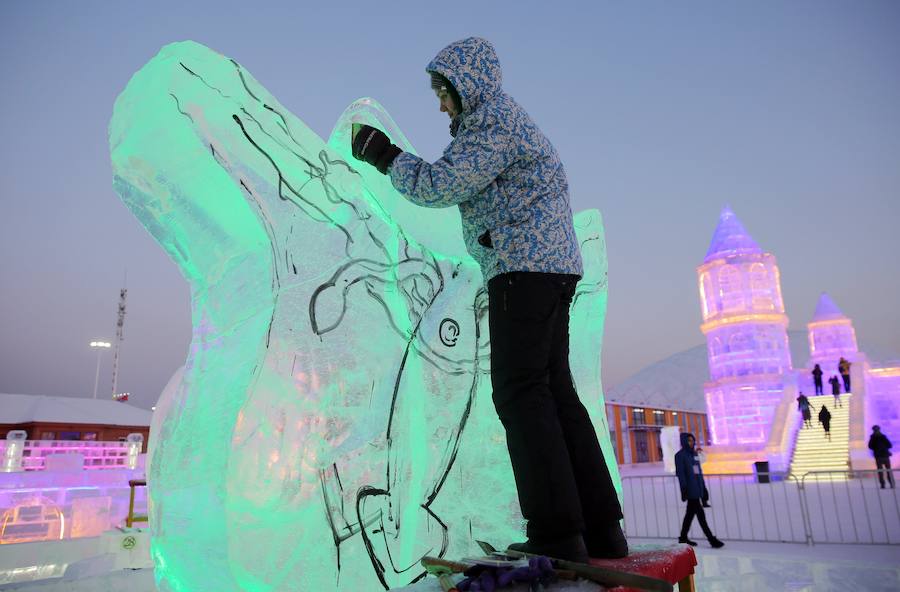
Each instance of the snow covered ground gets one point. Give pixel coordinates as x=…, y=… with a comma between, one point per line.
x=752, y=567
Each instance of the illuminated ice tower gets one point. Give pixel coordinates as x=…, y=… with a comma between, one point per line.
x=746, y=335
x=831, y=336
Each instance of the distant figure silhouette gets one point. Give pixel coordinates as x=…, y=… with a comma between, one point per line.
x=835, y=390
x=881, y=450
x=825, y=420
x=690, y=479
x=844, y=369
x=803, y=406
x=817, y=378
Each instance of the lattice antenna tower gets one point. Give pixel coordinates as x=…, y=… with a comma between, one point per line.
x=120, y=336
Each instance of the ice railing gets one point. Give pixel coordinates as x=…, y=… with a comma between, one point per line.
x=96, y=454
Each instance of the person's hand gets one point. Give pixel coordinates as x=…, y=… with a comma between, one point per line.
x=371, y=145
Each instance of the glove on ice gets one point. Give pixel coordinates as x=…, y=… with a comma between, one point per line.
x=374, y=147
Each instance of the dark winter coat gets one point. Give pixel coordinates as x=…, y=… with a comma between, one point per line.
x=817, y=374
x=844, y=367
x=825, y=417
x=835, y=385
x=880, y=445
x=687, y=468
x=502, y=172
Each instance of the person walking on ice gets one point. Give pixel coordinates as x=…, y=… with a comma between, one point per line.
x=825, y=420
x=835, y=390
x=803, y=405
x=881, y=450
x=844, y=369
x=817, y=378
x=510, y=186
x=693, y=490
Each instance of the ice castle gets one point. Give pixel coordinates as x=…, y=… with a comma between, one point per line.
x=752, y=389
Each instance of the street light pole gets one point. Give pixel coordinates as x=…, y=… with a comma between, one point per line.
x=99, y=346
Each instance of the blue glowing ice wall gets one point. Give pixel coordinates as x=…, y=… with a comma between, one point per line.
x=333, y=423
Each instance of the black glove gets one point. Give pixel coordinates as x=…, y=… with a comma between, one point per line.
x=374, y=147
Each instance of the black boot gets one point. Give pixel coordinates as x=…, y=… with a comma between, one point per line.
x=607, y=543
x=686, y=541
x=715, y=543
x=570, y=548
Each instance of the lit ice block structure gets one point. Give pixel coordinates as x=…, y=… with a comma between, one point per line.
x=48, y=504
x=54, y=489
x=746, y=332
x=831, y=337
x=875, y=386
x=333, y=423
x=882, y=408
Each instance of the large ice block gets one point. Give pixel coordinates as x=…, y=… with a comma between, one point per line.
x=333, y=422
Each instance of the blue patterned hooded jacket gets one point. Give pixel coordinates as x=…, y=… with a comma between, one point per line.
x=500, y=170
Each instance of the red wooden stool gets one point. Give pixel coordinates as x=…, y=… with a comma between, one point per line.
x=672, y=563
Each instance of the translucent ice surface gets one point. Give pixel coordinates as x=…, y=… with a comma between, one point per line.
x=333, y=423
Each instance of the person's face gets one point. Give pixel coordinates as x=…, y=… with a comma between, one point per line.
x=690, y=443
x=447, y=105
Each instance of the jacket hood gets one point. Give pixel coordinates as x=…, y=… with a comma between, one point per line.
x=472, y=67
x=684, y=439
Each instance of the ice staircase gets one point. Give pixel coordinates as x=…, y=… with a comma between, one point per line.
x=813, y=451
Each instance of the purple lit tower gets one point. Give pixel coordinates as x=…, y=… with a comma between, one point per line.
x=746, y=333
x=831, y=336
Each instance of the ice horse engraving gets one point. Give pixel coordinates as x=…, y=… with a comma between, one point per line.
x=333, y=423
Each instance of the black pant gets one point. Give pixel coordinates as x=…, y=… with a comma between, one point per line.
x=694, y=508
x=883, y=465
x=818, y=383
x=563, y=484
x=846, y=378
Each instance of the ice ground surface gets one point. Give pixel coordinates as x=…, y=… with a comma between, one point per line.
x=333, y=423
x=739, y=567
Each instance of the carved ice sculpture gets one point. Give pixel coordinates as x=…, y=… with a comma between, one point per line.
x=333, y=422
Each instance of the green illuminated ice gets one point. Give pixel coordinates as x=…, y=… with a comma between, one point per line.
x=333, y=423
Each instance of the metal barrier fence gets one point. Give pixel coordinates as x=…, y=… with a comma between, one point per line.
x=819, y=507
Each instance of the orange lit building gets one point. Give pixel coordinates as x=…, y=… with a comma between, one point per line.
x=635, y=429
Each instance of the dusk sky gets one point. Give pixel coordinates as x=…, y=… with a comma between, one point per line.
x=662, y=113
